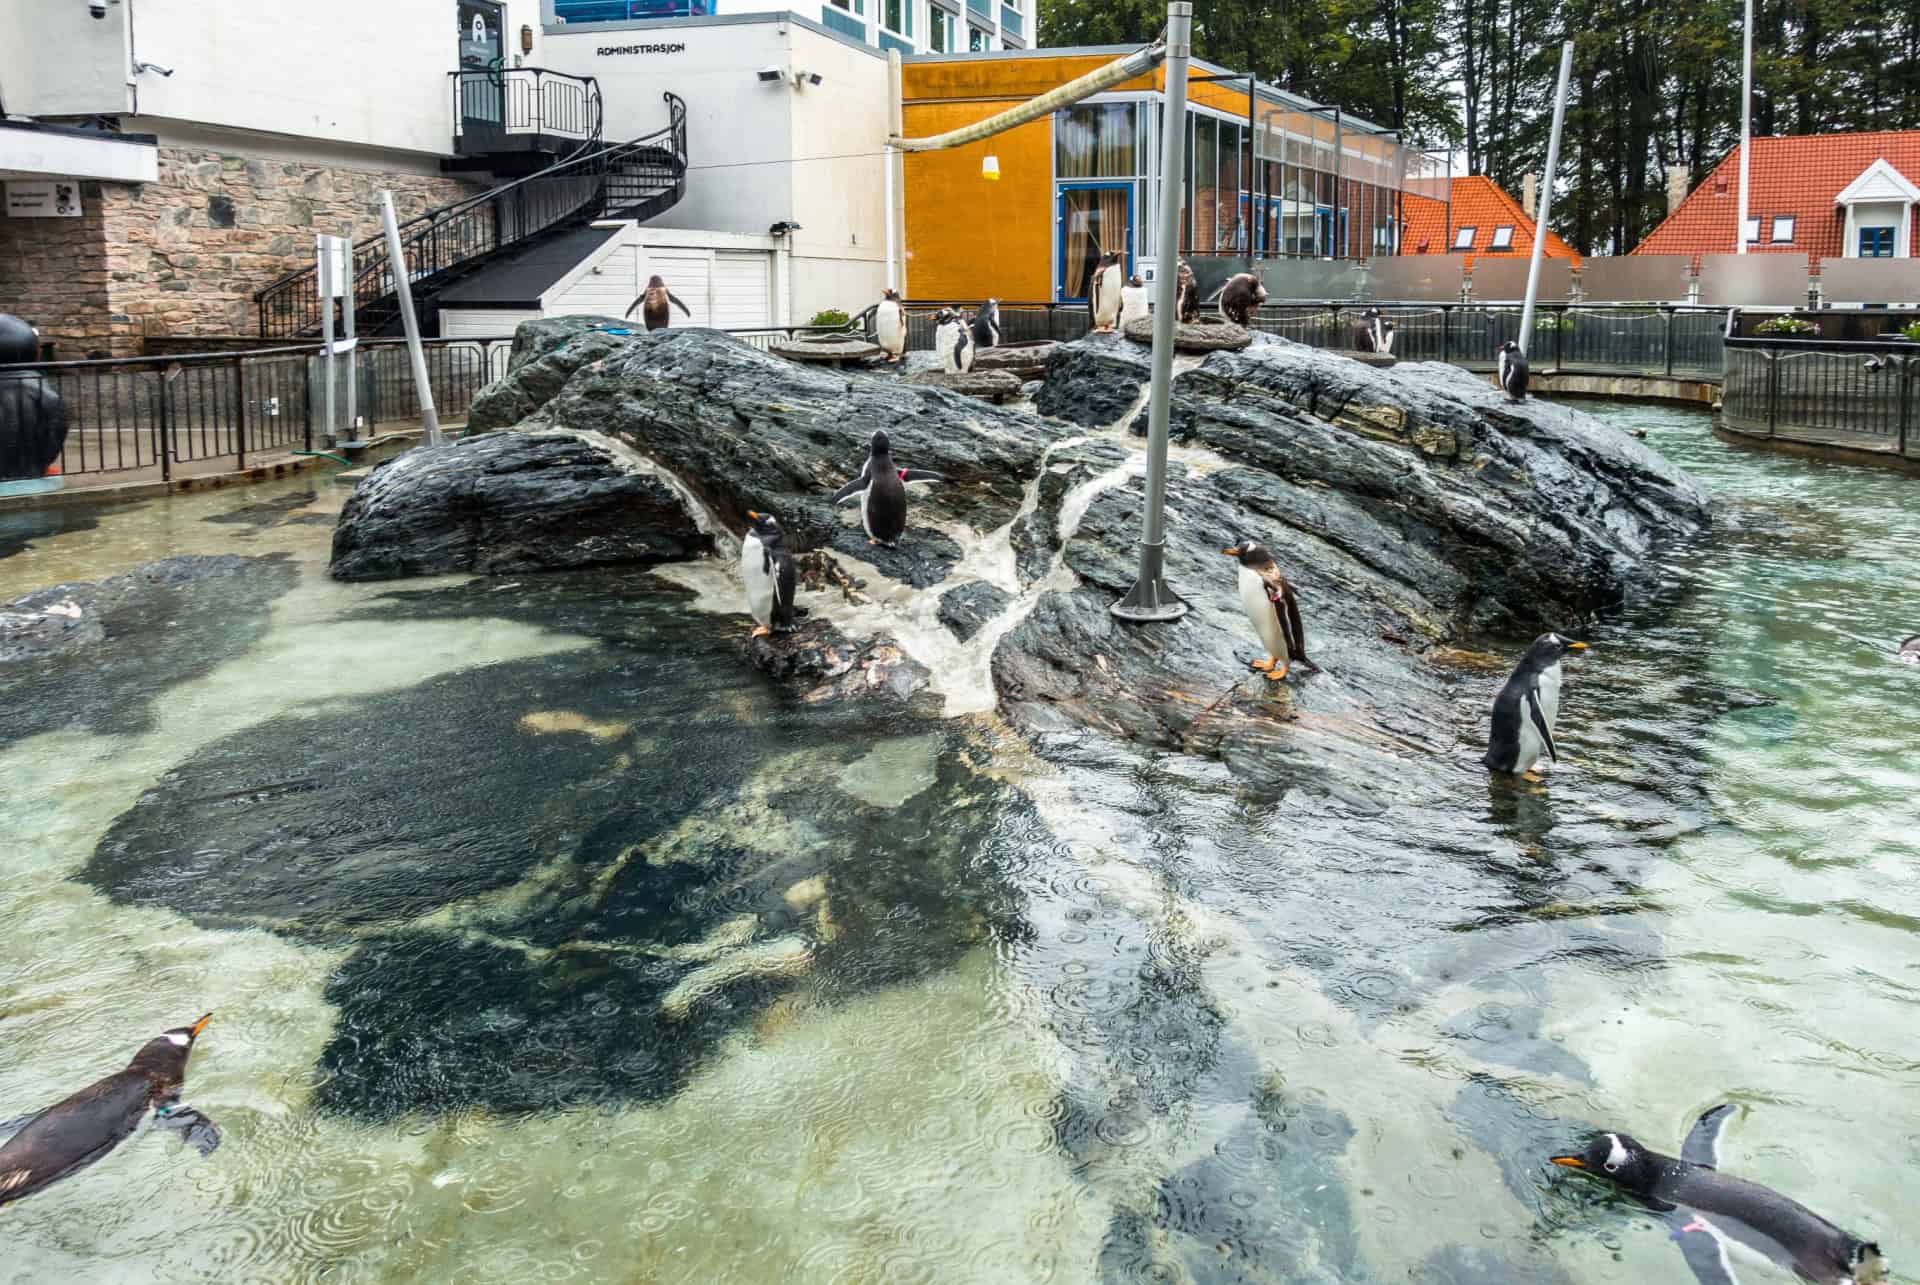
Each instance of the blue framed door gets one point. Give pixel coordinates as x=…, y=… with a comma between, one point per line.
x=1093, y=219
x=1329, y=235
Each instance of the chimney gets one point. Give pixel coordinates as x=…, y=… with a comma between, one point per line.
x=1676, y=186
x=1529, y=191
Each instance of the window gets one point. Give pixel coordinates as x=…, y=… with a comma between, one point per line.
x=584, y=11
x=940, y=30
x=1753, y=231
x=897, y=16
x=1502, y=237
x=1876, y=243
x=1463, y=237
x=1783, y=229
x=978, y=41
x=1095, y=142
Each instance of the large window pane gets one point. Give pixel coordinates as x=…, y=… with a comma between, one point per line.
x=1206, y=184
x=1096, y=142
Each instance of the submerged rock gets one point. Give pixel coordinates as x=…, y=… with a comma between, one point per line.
x=832, y=666
x=966, y=610
x=92, y=655
x=510, y=502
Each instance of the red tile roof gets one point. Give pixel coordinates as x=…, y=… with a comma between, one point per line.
x=1479, y=203
x=1797, y=174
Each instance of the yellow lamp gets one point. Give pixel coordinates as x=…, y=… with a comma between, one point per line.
x=990, y=169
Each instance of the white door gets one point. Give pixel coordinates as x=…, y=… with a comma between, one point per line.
x=742, y=289
x=688, y=273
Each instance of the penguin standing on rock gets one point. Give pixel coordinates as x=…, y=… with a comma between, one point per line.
x=1273, y=608
x=76, y=1131
x=1513, y=371
x=1187, y=294
x=952, y=342
x=1104, y=292
x=986, y=325
x=653, y=304
x=882, y=488
x=1240, y=296
x=766, y=568
x=1711, y=1210
x=1527, y=708
x=890, y=325
x=1134, y=305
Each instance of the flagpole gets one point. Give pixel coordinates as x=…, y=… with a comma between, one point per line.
x=1746, y=128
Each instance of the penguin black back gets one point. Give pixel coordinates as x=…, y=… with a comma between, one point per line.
x=1730, y=1208
x=81, y=1128
x=986, y=324
x=1513, y=371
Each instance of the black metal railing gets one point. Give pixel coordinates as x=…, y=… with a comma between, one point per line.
x=1823, y=392
x=1653, y=340
x=635, y=179
x=527, y=101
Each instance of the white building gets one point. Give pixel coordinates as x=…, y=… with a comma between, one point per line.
x=909, y=26
x=167, y=160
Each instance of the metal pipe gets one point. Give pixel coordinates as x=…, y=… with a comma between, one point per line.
x=895, y=124
x=403, y=290
x=1746, y=127
x=1137, y=63
x=1546, y=200
x=1151, y=598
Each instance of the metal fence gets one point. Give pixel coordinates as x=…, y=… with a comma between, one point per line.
x=1855, y=394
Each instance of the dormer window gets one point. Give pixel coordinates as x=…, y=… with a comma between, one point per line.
x=1782, y=229
x=1753, y=231
x=1502, y=237
x=1463, y=238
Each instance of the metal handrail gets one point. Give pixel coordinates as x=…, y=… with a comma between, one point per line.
x=523, y=94
x=468, y=231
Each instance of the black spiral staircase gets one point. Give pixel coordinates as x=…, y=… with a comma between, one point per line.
x=639, y=179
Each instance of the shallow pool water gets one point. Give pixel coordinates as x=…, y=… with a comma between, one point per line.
x=547, y=941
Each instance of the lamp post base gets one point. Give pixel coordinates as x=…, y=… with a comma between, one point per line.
x=1151, y=598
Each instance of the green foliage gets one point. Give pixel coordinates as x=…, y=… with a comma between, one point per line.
x=1787, y=326
x=1910, y=331
x=830, y=317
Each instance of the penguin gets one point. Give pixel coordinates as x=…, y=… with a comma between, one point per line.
x=1240, y=296
x=766, y=567
x=1712, y=1210
x=1513, y=371
x=1527, y=707
x=952, y=342
x=890, y=325
x=1367, y=335
x=1133, y=302
x=1386, y=338
x=653, y=304
x=1909, y=650
x=882, y=488
x=986, y=325
x=1104, y=293
x=1187, y=294
x=73, y=1133
x=1273, y=608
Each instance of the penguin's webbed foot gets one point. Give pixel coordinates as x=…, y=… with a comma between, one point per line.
x=760, y=631
x=1535, y=777
x=1277, y=674
x=1261, y=665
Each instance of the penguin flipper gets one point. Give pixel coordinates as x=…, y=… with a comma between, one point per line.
x=1540, y=722
x=854, y=487
x=921, y=475
x=674, y=299
x=10, y=1127
x=1702, y=1248
x=194, y=1128
x=633, y=306
x=1296, y=633
x=1702, y=1146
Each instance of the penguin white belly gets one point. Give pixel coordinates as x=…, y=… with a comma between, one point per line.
x=760, y=584
x=1533, y=746
x=1261, y=614
x=893, y=334
x=1106, y=298
x=1550, y=695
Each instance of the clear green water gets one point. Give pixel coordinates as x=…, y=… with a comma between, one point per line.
x=546, y=942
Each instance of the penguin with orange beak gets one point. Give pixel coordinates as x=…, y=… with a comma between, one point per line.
x=76, y=1131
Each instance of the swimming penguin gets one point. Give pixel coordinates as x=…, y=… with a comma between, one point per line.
x=986, y=325
x=1240, y=296
x=890, y=325
x=1187, y=293
x=73, y=1133
x=1369, y=335
x=1104, y=292
x=952, y=342
x=1273, y=608
x=1527, y=707
x=1713, y=1210
x=653, y=304
x=766, y=567
x=1909, y=650
x=882, y=488
x=1513, y=371
x=1134, y=305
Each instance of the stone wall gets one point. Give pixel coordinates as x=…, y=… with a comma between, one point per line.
x=184, y=255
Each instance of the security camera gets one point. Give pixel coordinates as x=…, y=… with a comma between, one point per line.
x=153, y=67
x=98, y=8
x=768, y=75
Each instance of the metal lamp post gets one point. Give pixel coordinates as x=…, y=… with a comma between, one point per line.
x=1151, y=598
x=1546, y=198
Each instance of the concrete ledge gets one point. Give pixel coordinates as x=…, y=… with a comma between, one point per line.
x=1833, y=452
x=1633, y=388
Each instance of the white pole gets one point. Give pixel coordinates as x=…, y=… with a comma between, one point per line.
x=895, y=124
x=1746, y=127
x=1546, y=197
x=352, y=334
x=1151, y=598
x=323, y=255
x=403, y=290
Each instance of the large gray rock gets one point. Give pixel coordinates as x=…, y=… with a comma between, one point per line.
x=510, y=502
x=545, y=354
x=1094, y=381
